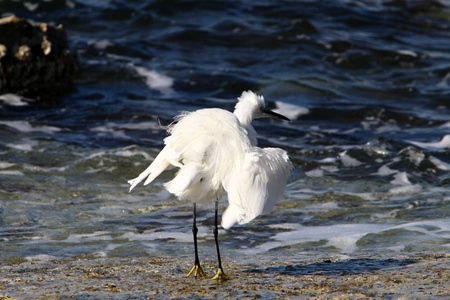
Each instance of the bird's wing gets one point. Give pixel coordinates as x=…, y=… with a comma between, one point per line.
x=205, y=142
x=171, y=155
x=184, y=178
x=255, y=187
x=187, y=143
x=156, y=167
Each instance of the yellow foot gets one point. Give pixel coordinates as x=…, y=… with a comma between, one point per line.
x=221, y=276
x=197, y=271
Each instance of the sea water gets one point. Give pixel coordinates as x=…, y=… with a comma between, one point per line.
x=366, y=84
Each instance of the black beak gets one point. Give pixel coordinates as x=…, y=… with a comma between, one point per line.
x=270, y=113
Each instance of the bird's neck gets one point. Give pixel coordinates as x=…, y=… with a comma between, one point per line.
x=245, y=120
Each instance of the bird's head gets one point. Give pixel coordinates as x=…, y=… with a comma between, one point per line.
x=252, y=106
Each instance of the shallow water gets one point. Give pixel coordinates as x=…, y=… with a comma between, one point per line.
x=365, y=82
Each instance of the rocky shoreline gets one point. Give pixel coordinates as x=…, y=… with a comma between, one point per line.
x=34, y=57
x=419, y=276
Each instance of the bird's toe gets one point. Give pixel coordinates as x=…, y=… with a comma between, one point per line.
x=197, y=271
x=221, y=276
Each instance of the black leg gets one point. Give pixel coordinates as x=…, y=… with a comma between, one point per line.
x=194, y=232
x=196, y=269
x=216, y=235
x=220, y=275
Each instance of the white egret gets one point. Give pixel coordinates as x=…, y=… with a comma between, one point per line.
x=216, y=151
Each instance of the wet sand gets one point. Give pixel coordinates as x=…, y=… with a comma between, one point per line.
x=419, y=276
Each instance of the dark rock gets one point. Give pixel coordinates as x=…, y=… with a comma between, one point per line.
x=34, y=58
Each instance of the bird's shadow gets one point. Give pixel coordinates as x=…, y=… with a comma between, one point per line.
x=328, y=267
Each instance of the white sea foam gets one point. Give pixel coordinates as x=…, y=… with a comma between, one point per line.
x=349, y=161
x=11, y=173
x=100, y=45
x=289, y=110
x=132, y=152
x=343, y=236
x=406, y=189
x=444, y=143
x=109, y=129
x=86, y=237
x=24, y=145
x=41, y=257
x=330, y=169
x=404, y=185
x=181, y=237
x=155, y=80
x=438, y=227
x=327, y=160
x=315, y=173
x=39, y=169
x=114, y=210
x=385, y=171
x=346, y=236
x=24, y=126
x=369, y=122
x=32, y=7
x=296, y=193
x=387, y=128
x=401, y=179
x=5, y=165
x=103, y=253
x=15, y=100
x=369, y=196
x=439, y=163
x=443, y=83
x=414, y=156
x=128, y=151
x=321, y=206
x=149, y=125
x=118, y=130
x=347, y=244
x=21, y=147
x=407, y=52
x=291, y=226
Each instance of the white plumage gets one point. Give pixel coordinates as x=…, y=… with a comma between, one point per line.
x=216, y=151
x=256, y=186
